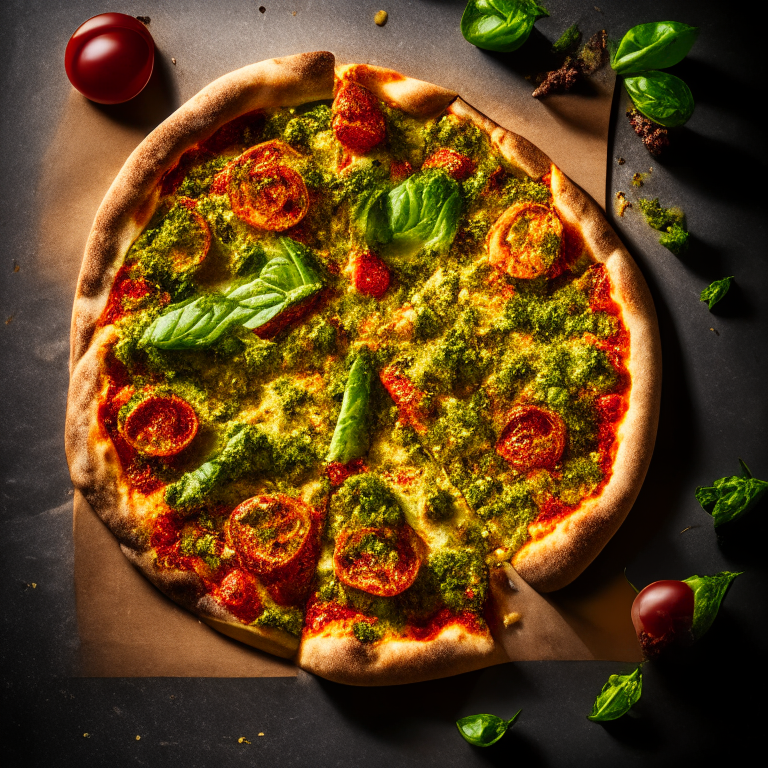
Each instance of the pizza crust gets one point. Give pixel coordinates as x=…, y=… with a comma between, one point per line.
x=546, y=564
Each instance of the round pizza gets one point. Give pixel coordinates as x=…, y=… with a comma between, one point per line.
x=345, y=354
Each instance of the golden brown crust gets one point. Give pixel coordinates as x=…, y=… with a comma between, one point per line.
x=344, y=659
x=561, y=555
x=415, y=97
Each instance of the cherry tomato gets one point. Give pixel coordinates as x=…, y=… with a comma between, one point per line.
x=534, y=437
x=456, y=165
x=161, y=425
x=358, y=122
x=110, y=58
x=662, y=615
x=370, y=274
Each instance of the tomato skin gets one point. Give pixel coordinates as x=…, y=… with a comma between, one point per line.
x=239, y=593
x=110, y=58
x=533, y=438
x=407, y=397
x=358, y=122
x=161, y=425
x=456, y=165
x=370, y=275
x=662, y=615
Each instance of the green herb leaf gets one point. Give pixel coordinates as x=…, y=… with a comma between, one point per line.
x=708, y=593
x=568, y=40
x=653, y=46
x=500, y=25
x=424, y=211
x=350, y=438
x=662, y=97
x=716, y=290
x=618, y=696
x=286, y=280
x=730, y=498
x=369, y=217
x=484, y=730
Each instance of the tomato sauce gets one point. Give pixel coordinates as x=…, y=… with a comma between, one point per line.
x=125, y=290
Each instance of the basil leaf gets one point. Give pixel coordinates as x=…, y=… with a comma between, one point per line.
x=484, y=730
x=246, y=449
x=350, y=438
x=618, y=696
x=662, y=97
x=708, y=593
x=499, y=25
x=369, y=217
x=286, y=280
x=654, y=46
x=424, y=211
x=716, y=290
x=730, y=498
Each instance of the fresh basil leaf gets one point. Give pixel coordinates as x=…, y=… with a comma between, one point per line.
x=716, y=290
x=424, y=211
x=500, y=25
x=484, y=730
x=246, y=449
x=369, y=217
x=286, y=280
x=708, y=593
x=618, y=696
x=730, y=498
x=653, y=46
x=662, y=97
x=350, y=438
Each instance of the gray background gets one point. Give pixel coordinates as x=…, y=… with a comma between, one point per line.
x=713, y=411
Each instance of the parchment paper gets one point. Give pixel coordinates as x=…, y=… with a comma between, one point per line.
x=127, y=627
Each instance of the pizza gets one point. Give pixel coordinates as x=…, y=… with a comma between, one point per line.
x=345, y=355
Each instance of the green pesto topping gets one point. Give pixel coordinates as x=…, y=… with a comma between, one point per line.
x=440, y=506
x=290, y=395
x=365, y=500
x=670, y=221
x=675, y=239
x=462, y=577
x=452, y=133
x=366, y=632
x=300, y=130
x=198, y=180
x=290, y=620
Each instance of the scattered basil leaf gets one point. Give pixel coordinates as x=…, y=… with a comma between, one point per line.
x=716, y=290
x=500, y=25
x=286, y=280
x=618, y=696
x=730, y=498
x=484, y=730
x=568, y=40
x=424, y=211
x=661, y=97
x=350, y=438
x=708, y=593
x=657, y=45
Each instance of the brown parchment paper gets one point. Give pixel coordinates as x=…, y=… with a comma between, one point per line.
x=127, y=627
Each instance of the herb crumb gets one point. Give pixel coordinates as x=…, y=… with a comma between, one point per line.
x=512, y=618
x=144, y=20
x=620, y=160
x=622, y=203
x=243, y=740
x=381, y=18
x=637, y=180
x=86, y=735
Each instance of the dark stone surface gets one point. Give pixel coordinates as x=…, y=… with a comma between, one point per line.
x=714, y=410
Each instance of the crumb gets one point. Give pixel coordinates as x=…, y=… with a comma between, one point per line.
x=173, y=61
x=33, y=585
x=597, y=9
x=262, y=9
x=637, y=180
x=689, y=528
x=717, y=333
x=16, y=266
x=594, y=53
x=243, y=740
x=380, y=18
x=294, y=13
x=9, y=320
x=172, y=696
x=622, y=203
x=138, y=738
x=261, y=734
x=86, y=735
x=591, y=57
x=654, y=136
x=512, y=618
x=144, y=20
x=620, y=160
x=558, y=80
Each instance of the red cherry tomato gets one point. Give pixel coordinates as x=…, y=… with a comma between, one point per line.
x=662, y=615
x=110, y=58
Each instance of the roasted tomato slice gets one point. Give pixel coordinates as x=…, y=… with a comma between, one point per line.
x=533, y=438
x=399, y=170
x=239, y=593
x=270, y=533
x=358, y=122
x=456, y=165
x=161, y=425
x=192, y=246
x=380, y=561
x=408, y=398
x=526, y=241
x=370, y=275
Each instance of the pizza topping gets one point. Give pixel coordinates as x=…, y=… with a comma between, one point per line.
x=370, y=274
x=457, y=166
x=191, y=246
x=533, y=437
x=269, y=532
x=161, y=425
x=350, y=438
x=400, y=170
x=358, y=122
x=239, y=593
x=408, y=398
x=380, y=561
x=526, y=241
